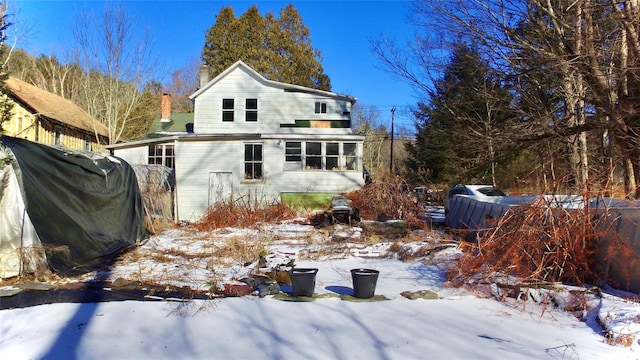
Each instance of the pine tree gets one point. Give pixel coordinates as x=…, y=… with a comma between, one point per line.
x=462, y=133
x=279, y=49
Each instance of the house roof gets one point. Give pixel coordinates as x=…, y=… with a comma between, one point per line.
x=276, y=84
x=54, y=107
x=178, y=124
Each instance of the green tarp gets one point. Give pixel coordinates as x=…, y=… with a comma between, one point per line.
x=85, y=207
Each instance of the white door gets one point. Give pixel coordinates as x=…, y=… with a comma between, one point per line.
x=220, y=187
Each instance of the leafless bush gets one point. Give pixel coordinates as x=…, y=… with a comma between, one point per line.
x=243, y=214
x=33, y=261
x=390, y=195
x=536, y=242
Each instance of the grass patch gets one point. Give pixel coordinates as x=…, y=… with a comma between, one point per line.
x=307, y=201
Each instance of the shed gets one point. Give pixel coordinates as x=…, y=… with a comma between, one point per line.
x=71, y=210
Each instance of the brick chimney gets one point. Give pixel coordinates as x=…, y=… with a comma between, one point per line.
x=165, y=108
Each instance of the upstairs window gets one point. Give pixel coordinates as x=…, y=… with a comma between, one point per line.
x=251, y=110
x=321, y=107
x=227, y=109
x=253, y=161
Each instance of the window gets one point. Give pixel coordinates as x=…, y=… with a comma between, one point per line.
x=350, y=156
x=57, y=136
x=253, y=161
x=169, y=157
x=227, y=109
x=321, y=107
x=333, y=156
x=87, y=143
x=293, y=151
x=162, y=154
x=293, y=156
x=251, y=110
x=313, y=158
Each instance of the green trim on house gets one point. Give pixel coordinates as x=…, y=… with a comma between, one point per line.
x=334, y=124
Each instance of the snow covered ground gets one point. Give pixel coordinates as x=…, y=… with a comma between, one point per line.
x=457, y=325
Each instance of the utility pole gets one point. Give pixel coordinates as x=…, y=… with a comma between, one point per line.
x=393, y=112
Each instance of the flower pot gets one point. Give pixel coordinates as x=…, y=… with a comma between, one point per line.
x=364, y=282
x=303, y=281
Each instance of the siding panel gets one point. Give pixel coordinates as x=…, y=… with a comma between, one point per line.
x=275, y=107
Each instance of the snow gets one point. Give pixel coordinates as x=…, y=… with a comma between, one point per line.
x=461, y=323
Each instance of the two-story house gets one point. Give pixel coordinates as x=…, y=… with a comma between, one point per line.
x=254, y=139
x=47, y=118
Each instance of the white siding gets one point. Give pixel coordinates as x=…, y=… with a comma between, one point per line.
x=135, y=155
x=275, y=107
x=195, y=161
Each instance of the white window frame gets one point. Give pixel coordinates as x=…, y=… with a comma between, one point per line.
x=298, y=161
x=252, y=110
x=228, y=110
x=251, y=176
x=320, y=107
x=166, y=156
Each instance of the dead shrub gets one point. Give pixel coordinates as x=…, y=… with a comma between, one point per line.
x=33, y=260
x=535, y=242
x=243, y=214
x=406, y=253
x=389, y=195
x=245, y=249
x=626, y=340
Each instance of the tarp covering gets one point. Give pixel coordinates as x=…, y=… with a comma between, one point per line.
x=20, y=248
x=84, y=207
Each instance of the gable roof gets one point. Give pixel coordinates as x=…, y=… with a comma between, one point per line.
x=276, y=84
x=53, y=106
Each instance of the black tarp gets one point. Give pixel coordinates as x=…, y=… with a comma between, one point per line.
x=85, y=207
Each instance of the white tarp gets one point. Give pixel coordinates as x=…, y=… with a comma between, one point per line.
x=20, y=247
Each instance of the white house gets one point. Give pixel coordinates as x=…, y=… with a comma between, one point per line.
x=254, y=139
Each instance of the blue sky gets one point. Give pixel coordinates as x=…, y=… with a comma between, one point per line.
x=341, y=30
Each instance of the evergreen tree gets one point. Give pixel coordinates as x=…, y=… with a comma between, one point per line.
x=279, y=49
x=463, y=132
x=144, y=113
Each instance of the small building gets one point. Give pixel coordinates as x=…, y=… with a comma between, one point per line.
x=252, y=139
x=47, y=118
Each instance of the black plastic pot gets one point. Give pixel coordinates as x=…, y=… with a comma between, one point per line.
x=303, y=281
x=364, y=282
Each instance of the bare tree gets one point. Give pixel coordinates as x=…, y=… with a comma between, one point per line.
x=367, y=122
x=579, y=60
x=6, y=106
x=183, y=83
x=117, y=66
